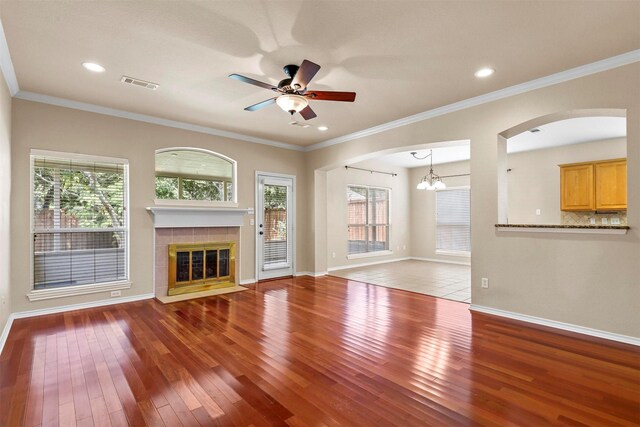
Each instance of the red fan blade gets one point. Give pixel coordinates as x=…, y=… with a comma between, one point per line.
x=304, y=75
x=307, y=113
x=252, y=81
x=320, y=95
x=260, y=105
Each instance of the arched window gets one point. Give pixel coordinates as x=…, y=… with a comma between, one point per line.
x=195, y=174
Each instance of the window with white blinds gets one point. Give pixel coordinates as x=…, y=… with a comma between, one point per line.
x=453, y=220
x=367, y=219
x=80, y=221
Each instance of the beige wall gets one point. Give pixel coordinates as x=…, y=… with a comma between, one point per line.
x=582, y=279
x=534, y=180
x=423, y=211
x=5, y=202
x=337, y=181
x=586, y=280
x=41, y=126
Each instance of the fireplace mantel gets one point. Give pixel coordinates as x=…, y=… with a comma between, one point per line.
x=174, y=217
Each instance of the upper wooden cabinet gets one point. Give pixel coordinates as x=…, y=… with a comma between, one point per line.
x=576, y=187
x=611, y=185
x=591, y=186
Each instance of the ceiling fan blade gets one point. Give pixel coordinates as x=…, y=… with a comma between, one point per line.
x=304, y=75
x=252, y=81
x=321, y=95
x=260, y=105
x=307, y=113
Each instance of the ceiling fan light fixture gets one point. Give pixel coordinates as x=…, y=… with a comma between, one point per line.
x=292, y=103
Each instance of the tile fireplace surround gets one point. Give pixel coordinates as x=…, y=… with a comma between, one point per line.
x=192, y=225
x=167, y=236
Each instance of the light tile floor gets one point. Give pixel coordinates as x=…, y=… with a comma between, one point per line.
x=449, y=281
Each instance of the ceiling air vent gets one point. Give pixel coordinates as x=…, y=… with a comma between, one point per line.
x=300, y=125
x=140, y=83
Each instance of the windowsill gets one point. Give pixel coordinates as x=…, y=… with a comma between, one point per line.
x=369, y=254
x=463, y=254
x=195, y=203
x=42, y=294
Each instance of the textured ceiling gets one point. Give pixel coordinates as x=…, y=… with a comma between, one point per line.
x=401, y=57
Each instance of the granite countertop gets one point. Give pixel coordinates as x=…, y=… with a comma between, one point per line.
x=588, y=227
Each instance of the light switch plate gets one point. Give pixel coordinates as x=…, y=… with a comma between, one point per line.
x=604, y=221
x=615, y=221
x=592, y=221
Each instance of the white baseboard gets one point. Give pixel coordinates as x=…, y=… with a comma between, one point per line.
x=61, y=309
x=247, y=281
x=5, y=332
x=444, y=261
x=310, y=273
x=365, y=264
x=557, y=325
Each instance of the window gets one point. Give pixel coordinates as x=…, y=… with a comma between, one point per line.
x=80, y=221
x=368, y=219
x=453, y=221
x=194, y=174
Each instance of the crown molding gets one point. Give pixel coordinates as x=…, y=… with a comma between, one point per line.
x=6, y=65
x=114, y=112
x=563, y=76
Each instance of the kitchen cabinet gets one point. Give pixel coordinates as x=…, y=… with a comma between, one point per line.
x=611, y=185
x=577, y=187
x=591, y=186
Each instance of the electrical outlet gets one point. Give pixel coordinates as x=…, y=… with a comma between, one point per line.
x=615, y=221
x=592, y=221
x=485, y=283
x=116, y=293
x=604, y=220
x=538, y=211
x=333, y=254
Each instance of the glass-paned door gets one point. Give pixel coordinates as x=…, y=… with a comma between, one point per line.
x=274, y=226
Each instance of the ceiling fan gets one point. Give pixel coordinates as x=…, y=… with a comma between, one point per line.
x=293, y=96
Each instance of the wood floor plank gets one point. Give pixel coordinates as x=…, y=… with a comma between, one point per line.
x=310, y=352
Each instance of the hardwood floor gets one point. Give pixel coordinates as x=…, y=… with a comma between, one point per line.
x=309, y=352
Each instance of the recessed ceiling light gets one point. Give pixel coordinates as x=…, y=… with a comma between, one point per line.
x=322, y=128
x=92, y=66
x=484, y=72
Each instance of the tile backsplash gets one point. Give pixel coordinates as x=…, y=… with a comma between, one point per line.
x=584, y=218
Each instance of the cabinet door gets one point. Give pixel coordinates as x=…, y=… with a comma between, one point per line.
x=611, y=185
x=576, y=188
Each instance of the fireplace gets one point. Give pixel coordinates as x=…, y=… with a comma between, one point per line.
x=199, y=231
x=195, y=267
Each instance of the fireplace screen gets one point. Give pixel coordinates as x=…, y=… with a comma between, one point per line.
x=196, y=267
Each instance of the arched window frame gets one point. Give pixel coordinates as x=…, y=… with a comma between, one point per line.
x=234, y=180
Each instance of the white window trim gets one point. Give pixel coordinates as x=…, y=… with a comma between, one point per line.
x=373, y=253
x=448, y=252
x=370, y=254
x=42, y=294
x=464, y=254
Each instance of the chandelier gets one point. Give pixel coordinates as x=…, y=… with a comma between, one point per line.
x=430, y=181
